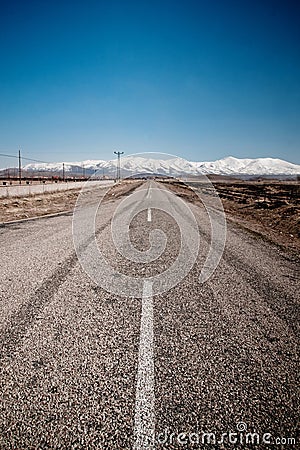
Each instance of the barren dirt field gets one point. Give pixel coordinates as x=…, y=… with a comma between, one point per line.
x=269, y=209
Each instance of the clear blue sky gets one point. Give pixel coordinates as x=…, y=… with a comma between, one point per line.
x=200, y=79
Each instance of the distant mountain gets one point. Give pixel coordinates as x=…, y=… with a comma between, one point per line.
x=258, y=166
x=131, y=165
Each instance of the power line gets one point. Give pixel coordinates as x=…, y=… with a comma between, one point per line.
x=9, y=156
x=23, y=157
x=36, y=160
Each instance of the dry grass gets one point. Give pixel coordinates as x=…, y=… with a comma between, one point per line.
x=36, y=205
x=270, y=209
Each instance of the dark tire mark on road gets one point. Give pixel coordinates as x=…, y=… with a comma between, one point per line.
x=25, y=316
x=282, y=304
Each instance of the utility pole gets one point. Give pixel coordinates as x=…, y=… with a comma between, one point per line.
x=20, y=168
x=63, y=171
x=119, y=165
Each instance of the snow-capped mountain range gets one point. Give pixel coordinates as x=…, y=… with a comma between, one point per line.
x=175, y=166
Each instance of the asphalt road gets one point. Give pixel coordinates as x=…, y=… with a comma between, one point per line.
x=199, y=365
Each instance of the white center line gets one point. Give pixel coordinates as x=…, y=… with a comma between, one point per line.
x=144, y=421
x=149, y=215
x=149, y=192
